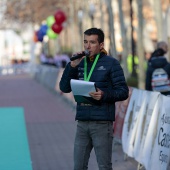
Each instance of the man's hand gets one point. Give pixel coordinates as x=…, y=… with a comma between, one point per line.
x=97, y=95
x=76, y=62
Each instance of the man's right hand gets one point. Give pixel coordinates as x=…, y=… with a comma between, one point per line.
x=76, y=62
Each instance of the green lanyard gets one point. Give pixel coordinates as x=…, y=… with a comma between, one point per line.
x=91, y=70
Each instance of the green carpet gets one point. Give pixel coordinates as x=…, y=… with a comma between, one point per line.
x=14, y=149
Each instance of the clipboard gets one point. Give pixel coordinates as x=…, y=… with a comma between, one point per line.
x=81, y=90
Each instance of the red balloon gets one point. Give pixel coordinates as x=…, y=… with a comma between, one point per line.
x=60, y=17
x=56, y=28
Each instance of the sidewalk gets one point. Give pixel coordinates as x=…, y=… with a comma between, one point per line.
x=50, y=125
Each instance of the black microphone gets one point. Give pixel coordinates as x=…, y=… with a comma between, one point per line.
x=84, y=53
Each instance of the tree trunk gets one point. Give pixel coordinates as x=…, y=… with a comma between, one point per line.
x=124, y=39
x=140, y=48
x=111, y=30
x=158, y=16
x=72, y=26
x=101, y=15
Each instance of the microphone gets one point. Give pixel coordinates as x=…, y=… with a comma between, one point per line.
x=84, y=53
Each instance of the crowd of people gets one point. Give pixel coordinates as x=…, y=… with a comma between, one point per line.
x=60, y=60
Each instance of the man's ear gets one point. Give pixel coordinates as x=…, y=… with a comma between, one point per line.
x=101, y=45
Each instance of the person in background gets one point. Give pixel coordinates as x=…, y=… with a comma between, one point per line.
x=43, y=58
x=158, y=71
x=95, y=119
x=61, y=60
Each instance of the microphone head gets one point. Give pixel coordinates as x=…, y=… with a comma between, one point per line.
x=87, y=53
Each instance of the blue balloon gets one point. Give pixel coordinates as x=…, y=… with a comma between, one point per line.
x=40, y=35
x=44, y=29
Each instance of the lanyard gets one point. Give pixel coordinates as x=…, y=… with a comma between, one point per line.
x=87, y=78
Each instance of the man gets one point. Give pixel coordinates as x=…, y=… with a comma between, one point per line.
x=158, y=71
x=95, y=121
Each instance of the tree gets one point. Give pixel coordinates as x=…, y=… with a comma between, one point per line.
x=159, y=21
x=124, y=38
x=30, y=11
x=112, y=32
x=101, y=15
x=140, y=48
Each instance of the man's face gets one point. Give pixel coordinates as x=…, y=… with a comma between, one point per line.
x=92, y=45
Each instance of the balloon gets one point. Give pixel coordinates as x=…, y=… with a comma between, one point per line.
x=40, y=36
x=51, y=34
x=60, y=17
x=57, y=28
x=44, y=29
x=35, y=37
x=50, y=20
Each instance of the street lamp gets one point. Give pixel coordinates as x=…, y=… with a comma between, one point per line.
x=80, y=17
x=91, y=13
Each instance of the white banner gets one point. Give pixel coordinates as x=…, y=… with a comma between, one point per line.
x=144, y=118
x=146, y=129
x=160, y=156
x=130, y=122
x=151, y=134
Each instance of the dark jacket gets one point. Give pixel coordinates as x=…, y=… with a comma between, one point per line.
x=108, y=76
x=153, y=63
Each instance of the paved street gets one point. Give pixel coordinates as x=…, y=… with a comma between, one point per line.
x=50, y=125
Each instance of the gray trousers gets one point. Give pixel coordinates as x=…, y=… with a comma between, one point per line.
x=97, y=134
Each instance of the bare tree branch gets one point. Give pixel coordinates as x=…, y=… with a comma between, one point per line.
x=29, y=11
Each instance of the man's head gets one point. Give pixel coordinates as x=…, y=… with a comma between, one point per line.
x=162, y=45
x=93, y=40
x=95, y=31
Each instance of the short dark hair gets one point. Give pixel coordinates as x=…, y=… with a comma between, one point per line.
x=95, y=31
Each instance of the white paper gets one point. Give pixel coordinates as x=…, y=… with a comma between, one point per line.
x=82, y=88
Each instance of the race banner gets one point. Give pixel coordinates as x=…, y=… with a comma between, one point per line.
x=160, y=156
x=144, y=118
x=121, y=108
x=151, y=135
x=131, y=120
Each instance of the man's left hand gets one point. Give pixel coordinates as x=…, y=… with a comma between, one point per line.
x=97, y=95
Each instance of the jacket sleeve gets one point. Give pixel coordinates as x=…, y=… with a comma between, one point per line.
x=68, y=74
x=119, y=90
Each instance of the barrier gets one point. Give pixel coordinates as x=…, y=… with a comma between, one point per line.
x=121, y=109
x=50, y=77
x=18, y=69
x=146, y=135
x=47, y=75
